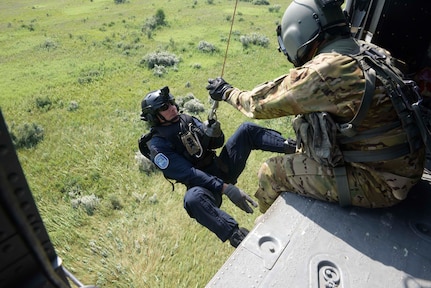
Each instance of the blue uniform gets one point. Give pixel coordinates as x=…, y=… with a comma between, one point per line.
x=204, y=177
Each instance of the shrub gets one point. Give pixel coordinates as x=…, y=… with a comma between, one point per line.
x=206, y=47
x=27, y=135
x=194, y=106
x=274, y=8
x=160, y=18
x=260, y=2
x=161, y=58
x=190, y=104
x=73, y=105
x=48, y=44
x=159, y=70
x=88, y=202
x=254, y=39
x=89, y=76
x=115, y=202
x=155, y=21
x=43, y=103
x=144, y=164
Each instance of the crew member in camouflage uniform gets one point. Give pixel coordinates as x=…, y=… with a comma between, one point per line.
x=323, y=90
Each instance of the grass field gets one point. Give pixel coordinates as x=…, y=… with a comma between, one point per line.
x=74, y=69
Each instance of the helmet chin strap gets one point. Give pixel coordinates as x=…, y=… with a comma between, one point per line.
x=173, y=120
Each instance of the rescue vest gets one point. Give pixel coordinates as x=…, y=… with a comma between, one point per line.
x=190, y=141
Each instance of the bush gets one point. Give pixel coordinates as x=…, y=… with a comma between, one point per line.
x=161, y=58
x=254, y=39
x=159, y=70
x=194, y=106
x=274, y=8
x=48, y=44
x=87, y=77
x=206, y=47
x=160, y=18
x=88, y=202
x=27, y=135
x=155, y=21
x=261, y=2
x=181, y=100
x=43, y=103
x=73, y=105
x=190, y=104
x=144, y=164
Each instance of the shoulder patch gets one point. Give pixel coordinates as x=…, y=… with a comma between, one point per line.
x=161, y=161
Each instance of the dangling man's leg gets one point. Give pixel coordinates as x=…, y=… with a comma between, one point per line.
x=204, y=206
x=247, y=137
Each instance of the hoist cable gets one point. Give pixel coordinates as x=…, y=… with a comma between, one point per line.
x=212, y=115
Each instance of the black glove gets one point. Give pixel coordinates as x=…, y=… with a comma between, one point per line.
x=217, y=88
x=290, y=146
x=239, y=198
x=212, y=128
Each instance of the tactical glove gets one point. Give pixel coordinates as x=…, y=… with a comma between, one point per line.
x=289, y=146
x=212, y=128
x=239, y=198
x=217, y=88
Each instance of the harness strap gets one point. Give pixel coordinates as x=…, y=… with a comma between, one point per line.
x=344, y=198
x=377, y=155
x=370, y=84
x=369, y=133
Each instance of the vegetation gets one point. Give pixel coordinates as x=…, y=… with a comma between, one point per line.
x=72, y=79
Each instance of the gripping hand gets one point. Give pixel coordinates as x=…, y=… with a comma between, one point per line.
x=217, y=88
x=239, y=198
x=212, y=128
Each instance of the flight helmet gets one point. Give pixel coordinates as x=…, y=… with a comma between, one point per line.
x=306, y=21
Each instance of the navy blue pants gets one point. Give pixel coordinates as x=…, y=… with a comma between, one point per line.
x=204, y=205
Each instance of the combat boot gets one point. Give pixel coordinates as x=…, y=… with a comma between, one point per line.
x=237, y=236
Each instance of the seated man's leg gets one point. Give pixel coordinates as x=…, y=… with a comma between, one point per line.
x=300, y=174
x=295, y=173
x=204, y=206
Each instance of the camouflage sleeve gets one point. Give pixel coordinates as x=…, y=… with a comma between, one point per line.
x=330, y=82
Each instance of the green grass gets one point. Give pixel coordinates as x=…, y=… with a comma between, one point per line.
x=73, y=52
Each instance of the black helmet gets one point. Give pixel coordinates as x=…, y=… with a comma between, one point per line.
x=306, y=21
x=152, y=102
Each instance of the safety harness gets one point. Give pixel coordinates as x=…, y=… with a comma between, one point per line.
x=407, y=102
x=192, y=138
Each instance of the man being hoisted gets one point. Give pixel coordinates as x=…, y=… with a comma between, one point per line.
x=181, y=146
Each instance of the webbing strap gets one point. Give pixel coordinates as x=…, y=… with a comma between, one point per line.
x=369, y=133
x=370, y=84
x=344, y=198
x=377, y=155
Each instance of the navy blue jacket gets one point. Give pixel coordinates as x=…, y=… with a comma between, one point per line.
x=169, y=154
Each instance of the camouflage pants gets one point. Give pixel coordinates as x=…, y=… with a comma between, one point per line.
x=300, y=174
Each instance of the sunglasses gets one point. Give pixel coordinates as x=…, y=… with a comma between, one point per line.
x=165, y=106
